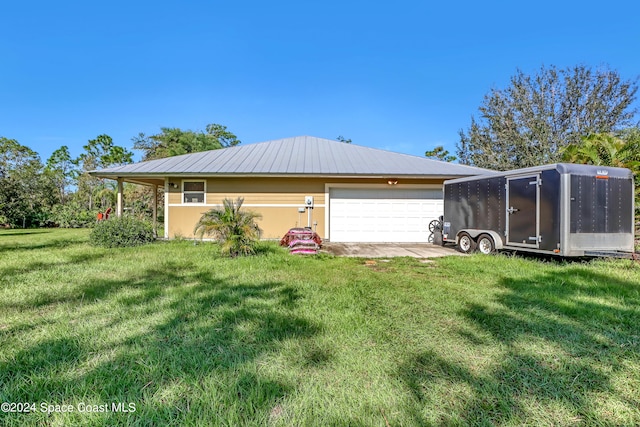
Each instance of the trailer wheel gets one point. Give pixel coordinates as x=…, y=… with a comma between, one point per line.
x=486, y=244
x=466, y=243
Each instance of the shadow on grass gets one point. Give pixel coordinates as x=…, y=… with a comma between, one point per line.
x=23, y=232
x=16, y=242
x=563, y=336
x=183, y=345
x=11, y=274
x=30, y=246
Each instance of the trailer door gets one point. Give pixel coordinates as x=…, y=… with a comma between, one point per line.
x=523, y=213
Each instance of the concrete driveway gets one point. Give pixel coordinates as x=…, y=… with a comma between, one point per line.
x=388, y=250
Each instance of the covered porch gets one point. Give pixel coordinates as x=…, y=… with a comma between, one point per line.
x=155, y=183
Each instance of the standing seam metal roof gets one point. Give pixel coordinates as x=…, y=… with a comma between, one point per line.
x=301, y=155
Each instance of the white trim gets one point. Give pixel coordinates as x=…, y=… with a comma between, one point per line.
x=166, y=208
x=330, y=185
x=364, y=186
x=204, y=192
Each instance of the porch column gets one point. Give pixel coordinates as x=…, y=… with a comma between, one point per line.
x=166, y=208
x=119, y=200
x=155, y=210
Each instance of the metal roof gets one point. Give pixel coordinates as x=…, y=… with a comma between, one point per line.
x=562, y=168
x=297, y=156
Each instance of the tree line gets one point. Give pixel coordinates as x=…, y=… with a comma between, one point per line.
x=577, y=114
x=61, y=193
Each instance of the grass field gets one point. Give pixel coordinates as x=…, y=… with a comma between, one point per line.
x=184, y=337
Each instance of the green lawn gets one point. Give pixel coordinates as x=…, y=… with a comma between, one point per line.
x=185, y=337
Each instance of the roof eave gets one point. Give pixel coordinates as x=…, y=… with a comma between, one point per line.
x=115, y=175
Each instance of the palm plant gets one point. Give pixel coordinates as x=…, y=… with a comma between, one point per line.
x=107, y=197
x=236, y=230
x=605, y=149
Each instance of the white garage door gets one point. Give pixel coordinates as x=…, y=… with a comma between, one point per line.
x=382, y=215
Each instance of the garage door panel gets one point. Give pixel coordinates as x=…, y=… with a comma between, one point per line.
x=399, y=208
x=414, y=208
x=382, y=215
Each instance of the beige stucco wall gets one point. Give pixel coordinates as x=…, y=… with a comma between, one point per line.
x=276, y=199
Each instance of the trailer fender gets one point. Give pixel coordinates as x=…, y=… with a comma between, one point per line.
x=474, y=233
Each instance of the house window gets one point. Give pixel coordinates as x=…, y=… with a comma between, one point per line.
x=193, y=191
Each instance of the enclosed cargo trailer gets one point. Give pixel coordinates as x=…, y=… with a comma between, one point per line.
x=562, y=209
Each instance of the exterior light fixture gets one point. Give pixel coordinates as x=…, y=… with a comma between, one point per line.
x=392, y=181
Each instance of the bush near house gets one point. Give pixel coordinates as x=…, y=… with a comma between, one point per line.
x=72, y=215
x=121, y=232
x=236, y=230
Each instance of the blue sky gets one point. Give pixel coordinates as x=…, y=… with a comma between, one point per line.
x=403, y=76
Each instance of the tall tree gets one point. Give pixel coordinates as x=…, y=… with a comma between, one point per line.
x=101, y=153
x=439, y=153
x=529, y=122
x=98, y=153
x=17, y=159
x=60, y=169
x=174, y=141
x=24, y=194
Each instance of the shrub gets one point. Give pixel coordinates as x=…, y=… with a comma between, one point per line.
x=235, y=229
x=121, y=232
x=72, y=215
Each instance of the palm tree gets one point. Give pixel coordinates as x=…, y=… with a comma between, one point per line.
x=235, y=229
x=605, y=149
x=107, y=196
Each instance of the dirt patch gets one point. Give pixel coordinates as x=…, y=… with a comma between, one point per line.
x=388, y=250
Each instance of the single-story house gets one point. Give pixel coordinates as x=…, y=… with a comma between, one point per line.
x=345, y=192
